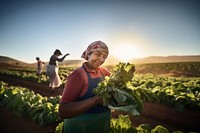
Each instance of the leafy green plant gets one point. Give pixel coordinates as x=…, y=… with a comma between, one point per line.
x=115, y=92
x=24, y=102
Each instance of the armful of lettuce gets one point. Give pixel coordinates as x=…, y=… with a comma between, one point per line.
x=116, y=95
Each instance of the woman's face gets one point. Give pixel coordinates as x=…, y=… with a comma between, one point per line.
x=97, y=58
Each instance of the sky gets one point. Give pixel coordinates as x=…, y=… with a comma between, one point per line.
x=130, y=28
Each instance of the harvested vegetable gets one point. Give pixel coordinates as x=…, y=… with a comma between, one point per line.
x=115, y=92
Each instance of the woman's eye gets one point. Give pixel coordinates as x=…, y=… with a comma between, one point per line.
x=104, y=57
x=97, y=54
x=100, y=54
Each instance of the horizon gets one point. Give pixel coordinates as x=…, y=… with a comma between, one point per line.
x=113, y=59
x=131, y=29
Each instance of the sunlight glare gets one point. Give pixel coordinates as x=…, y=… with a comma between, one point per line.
x=126, y=52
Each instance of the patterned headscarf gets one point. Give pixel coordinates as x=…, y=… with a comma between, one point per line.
x=95, y=46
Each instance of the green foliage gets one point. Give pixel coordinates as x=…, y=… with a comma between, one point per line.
x=30, y=74
x=115, y=92
x=44, y=110
x=59, y=128
x=124, y=125
x=24, y=102
x=176, y=68
x=159, y=129
x=121, y=125
x=180, y=92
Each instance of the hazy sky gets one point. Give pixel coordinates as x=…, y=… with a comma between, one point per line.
x=141, y=28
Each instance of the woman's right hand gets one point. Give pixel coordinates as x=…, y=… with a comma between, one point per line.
x=99, y=100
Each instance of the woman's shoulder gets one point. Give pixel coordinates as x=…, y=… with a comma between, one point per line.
x=105, y=71
x=79, y=71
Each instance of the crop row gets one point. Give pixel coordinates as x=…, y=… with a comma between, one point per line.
x=30, y=75
x=123, y=124
x=180, y=92
x=44, y=110
x=180, y=68
x=24, y=102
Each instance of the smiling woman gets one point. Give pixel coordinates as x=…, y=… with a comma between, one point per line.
x=126, y=52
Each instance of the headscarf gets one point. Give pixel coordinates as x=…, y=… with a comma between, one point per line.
x=95, y=46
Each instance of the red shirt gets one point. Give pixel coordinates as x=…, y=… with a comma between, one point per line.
x=77, y=82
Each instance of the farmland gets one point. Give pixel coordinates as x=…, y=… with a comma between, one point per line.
x=170, y=93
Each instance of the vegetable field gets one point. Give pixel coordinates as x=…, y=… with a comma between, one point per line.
x=169, y=102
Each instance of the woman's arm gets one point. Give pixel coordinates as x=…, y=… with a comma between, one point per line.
x=74, y=86
x=71, y=109
x=61, y=59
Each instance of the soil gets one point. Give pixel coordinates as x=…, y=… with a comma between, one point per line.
x=11, y=123
x=152, y=114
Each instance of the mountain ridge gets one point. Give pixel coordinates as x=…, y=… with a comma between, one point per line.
x=112, y=60
x=166, y=59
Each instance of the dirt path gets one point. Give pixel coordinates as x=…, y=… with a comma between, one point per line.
x=11, y=123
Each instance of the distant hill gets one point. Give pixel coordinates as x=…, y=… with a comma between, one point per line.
x=7, y=62
x=110, y=61
x=4, y=59
x=165, y=59
x=157, y=59
x=11, y=62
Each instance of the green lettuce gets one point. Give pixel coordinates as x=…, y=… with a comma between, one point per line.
x=116, y=95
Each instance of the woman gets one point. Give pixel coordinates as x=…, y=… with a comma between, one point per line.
x=40, y=66
x=52, y=69
x=81, y=110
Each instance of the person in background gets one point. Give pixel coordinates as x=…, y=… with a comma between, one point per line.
x=53, y=69
x=82, y=111
x=40, y=67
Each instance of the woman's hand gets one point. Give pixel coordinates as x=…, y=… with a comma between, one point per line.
x=71, y=109
x=99, y=100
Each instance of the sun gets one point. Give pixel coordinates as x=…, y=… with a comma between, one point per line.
x=126, y=52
